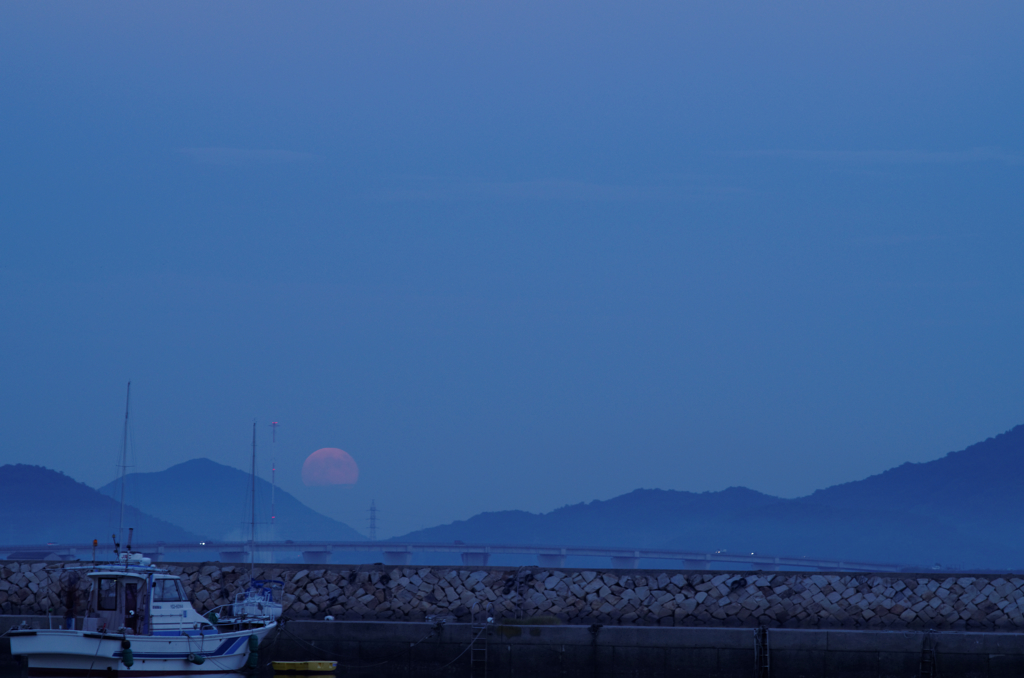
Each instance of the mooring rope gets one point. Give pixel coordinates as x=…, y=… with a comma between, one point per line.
x=333, y=654
x=464, y=651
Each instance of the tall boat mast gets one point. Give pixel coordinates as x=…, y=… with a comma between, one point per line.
x=273, y=478
x=252, y=524
x=124, y=463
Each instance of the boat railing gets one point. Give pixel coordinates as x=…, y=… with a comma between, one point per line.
x=217, y=615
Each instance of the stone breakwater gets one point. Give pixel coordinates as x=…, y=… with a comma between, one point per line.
x=619, y=597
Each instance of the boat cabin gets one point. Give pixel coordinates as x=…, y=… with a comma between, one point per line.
x=141, y=600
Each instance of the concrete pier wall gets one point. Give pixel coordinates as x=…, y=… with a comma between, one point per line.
x=386, y=649
x=648, y=652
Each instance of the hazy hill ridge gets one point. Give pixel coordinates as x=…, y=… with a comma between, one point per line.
x=40, y=505
x=963, y=509
x=643, y=518
x=983, y=481
x=213, y=500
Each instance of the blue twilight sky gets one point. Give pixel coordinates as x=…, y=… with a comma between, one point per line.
x=511, y=254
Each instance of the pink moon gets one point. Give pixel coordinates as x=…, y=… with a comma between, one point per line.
x=330, y=466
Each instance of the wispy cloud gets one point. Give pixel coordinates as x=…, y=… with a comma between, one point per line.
x=469, y=189
x=895, y=157
x=241, y=157
x=909, y=238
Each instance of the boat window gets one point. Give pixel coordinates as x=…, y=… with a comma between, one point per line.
x=107, y=594
x=165, y=591
x=181, y=590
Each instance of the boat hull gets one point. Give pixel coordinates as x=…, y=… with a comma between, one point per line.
x=70, y=653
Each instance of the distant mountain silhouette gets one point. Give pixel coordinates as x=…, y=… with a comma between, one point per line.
x=980, y=483
x=38, y=505
x=212, y=500
x=642, y=518
x=961, y=510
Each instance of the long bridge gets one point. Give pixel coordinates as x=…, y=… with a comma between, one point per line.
x=474, y=555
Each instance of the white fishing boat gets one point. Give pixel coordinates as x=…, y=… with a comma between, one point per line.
x=139, y=620
x=261, y=599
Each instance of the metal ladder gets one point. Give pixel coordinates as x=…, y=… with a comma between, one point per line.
x=927, y=669
x=762, y=668
x=478, y=650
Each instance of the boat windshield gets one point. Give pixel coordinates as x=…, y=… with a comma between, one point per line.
x=168, y=591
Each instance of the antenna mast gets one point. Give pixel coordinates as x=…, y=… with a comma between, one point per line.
x=373, y=520
x=273, y=478
x=124, y=464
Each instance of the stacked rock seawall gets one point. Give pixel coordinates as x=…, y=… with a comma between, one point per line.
x=624, y=597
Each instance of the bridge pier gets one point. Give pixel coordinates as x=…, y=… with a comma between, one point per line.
x=626, y=562
x=317, y=557
x=476, y=558
x=401, y=558
x=551, y=559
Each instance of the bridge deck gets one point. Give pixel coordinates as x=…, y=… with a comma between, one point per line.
x=400, y=553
